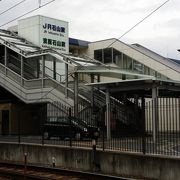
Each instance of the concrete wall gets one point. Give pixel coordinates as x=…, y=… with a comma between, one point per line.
x=116, y=163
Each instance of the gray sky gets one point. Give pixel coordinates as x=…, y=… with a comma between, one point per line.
x=101, y=19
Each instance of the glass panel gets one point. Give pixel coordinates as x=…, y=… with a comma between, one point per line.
x=117, y=58
x=107, y=55
x=146, y=70
x=98, y=55
x=127, y=62
x=2, y=51
x=138, y=67
x=152, y=72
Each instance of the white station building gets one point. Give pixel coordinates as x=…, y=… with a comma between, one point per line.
x=40, y=63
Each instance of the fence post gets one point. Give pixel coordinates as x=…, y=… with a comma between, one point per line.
x=103, y=127
x=42, y=124
x=70, y=128
x=143, y=125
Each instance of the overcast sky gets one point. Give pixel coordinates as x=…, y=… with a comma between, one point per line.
x=101, y=19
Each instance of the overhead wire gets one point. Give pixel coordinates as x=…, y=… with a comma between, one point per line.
x=138, y=23
x=12, y=7
x=27, y=13
x=40, y=6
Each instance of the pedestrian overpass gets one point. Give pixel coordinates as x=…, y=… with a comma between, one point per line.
x=24, y=71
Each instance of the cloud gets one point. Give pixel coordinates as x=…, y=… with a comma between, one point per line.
x=96, y=20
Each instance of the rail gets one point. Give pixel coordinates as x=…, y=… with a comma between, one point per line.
x=36, y=172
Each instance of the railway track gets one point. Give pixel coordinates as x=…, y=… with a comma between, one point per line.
x=30, y=172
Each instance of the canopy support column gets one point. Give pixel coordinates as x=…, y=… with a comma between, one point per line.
x=155, y=113
x=76, y=94
x=43, y=71
x=108, y=115
x=92, y=90
x=66, y=80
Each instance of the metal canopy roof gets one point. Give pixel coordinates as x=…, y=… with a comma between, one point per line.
x=27, y=49
x=81, y=65
x=110, y=72
x=141, y=87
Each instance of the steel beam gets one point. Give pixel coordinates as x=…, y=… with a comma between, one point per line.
x=5, y=59
x=76, y=94
x=66, y=80
x=22, y=70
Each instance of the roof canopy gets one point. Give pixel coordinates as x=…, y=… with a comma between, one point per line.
x=85, y=65
x=141, y=87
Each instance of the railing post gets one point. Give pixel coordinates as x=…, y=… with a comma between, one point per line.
x=5, y=60
x=22, y=69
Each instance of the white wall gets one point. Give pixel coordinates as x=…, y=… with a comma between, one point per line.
x=138, y=56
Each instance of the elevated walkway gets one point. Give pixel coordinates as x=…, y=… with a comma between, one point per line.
x=15, y=77
x=150, y=59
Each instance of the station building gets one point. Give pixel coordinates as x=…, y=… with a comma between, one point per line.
x=40, y=64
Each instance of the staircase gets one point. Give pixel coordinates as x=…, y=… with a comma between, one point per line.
x=122, y=111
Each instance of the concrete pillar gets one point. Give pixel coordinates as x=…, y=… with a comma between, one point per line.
x=92, y=90
x=154, y=113
x=108, y=115
x=66, y=80
x=5, y=60
x=22, y=70
x=76, y=94
x=54, y=68
x=43, y=70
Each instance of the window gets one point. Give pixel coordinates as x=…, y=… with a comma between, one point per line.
x=98, y=55
x=107, y=55
x=138, y=67
x=117, y=57
x=127, y=62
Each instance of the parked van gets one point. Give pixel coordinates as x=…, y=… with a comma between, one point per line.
x=64, y=127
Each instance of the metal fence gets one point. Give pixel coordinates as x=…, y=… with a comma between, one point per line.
x=149, y=127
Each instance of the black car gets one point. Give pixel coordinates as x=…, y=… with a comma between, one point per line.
x=63, y=127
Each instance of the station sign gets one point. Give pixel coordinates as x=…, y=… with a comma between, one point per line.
x=45, y=32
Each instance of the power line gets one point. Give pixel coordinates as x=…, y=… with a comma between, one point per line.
x=138, y=23
x=12, y=7
x=27, y=13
